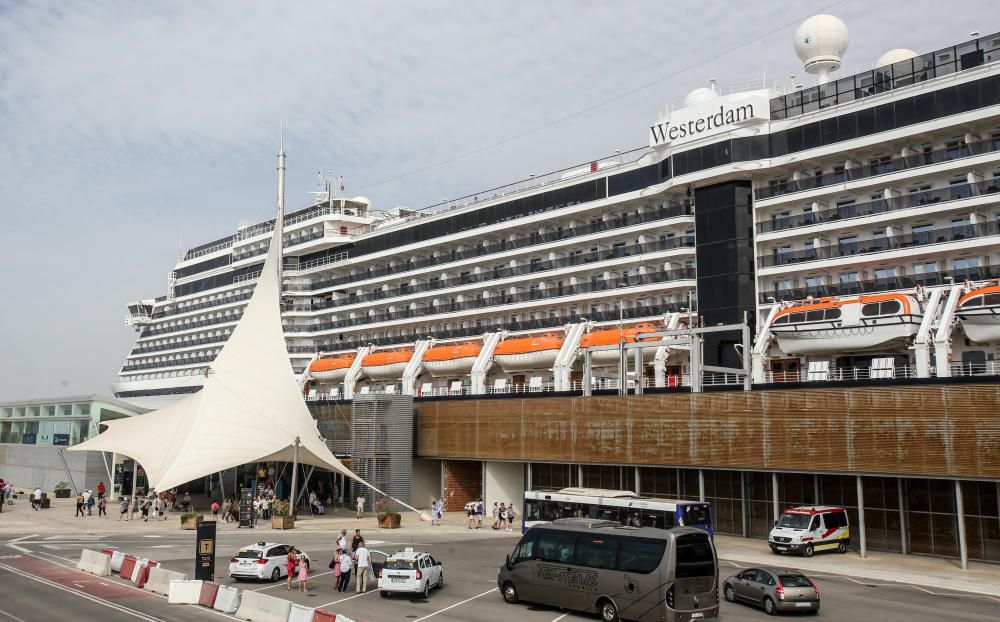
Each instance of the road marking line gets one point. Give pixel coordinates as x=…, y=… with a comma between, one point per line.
x=23, y=538
x=430, y=615
x=99, y=601
x=18, y=548
x=12, y=617
x=562, y=616
x=348, y=598
x=279, y=583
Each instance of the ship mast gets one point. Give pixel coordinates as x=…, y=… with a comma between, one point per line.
x=279, y=223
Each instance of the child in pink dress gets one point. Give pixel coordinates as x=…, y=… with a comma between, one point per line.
x=303, y=574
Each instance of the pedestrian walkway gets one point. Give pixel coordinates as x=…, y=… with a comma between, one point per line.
x=935, y=574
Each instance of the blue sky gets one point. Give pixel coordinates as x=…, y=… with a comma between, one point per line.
x=130, y=130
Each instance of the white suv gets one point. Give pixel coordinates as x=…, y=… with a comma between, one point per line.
x=264, y=560
x=411, y=572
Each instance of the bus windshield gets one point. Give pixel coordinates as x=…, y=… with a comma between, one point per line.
x=794, y=521
x=694, y=556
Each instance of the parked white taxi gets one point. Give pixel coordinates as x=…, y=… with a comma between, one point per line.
x=410, y=572
x=264, y=560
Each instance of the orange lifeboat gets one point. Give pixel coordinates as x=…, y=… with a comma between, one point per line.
x=331, y=368
x=527, y=353
x=614, y=336
x=386, y=365
x=850, y=324
x=979, y=313
x=451, y=359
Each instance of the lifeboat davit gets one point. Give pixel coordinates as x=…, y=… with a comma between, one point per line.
x=451, y=359
x=386, y=365
x=828, y=325
x=331, y=368
x=527, y=353
x=614, y=336
x=979, y=313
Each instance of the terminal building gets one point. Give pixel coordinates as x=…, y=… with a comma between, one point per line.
x=787, y=295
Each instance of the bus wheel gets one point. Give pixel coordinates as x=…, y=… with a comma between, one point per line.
x=509, y=593
x=608, y=611
x=807, y=551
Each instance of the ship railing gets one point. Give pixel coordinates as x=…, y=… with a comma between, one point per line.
x=897, y=372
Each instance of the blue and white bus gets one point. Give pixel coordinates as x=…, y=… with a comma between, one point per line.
x=624, y=506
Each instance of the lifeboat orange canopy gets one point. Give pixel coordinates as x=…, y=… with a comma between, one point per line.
x=990, y=289
x=613, y=336
x=377, y=359
x=331, y=363
x=451, y=352
x=525, y=345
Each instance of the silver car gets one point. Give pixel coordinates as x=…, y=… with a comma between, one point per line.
x=773, y=590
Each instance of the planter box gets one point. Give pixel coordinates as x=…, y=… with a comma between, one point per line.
x=389, y=522
x=191, y=522
x=62, y=493
x=282, y=522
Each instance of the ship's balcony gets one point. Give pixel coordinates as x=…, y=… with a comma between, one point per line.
x=179, y=345
x=186, y=326
x=845, y=213
x=635, y=251
x=883, y=168
x=659, y=215
x=352, y=344
x=208, y=304
x=177, y=362
x=870, y=286
x=627, y=286
x=916, y=241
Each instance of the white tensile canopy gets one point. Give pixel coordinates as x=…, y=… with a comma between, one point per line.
x=249, y=410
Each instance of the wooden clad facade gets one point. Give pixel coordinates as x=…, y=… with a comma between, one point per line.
x=946, y=430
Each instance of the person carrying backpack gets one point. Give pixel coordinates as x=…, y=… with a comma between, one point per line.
x=511, y=514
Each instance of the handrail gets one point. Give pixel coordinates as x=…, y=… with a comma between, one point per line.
x=910, y=200
x=868, y=286
x=866, y=171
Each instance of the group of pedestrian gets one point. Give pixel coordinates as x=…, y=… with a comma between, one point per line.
x=503, y=514
x=352, y=558
x=87, y=500
x=152, y=505
x=437, y=511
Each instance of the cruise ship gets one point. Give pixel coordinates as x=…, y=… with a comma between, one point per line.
x=853, y=225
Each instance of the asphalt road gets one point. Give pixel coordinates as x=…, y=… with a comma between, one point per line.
x=37, y=583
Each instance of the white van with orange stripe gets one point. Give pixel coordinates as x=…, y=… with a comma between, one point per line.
x=808, y=529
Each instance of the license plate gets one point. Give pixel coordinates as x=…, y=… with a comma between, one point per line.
x=781, y=548
x=697, y=614
x=398, y=579
x=244, y=563
x=803, y=604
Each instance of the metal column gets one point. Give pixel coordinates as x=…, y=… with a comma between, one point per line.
x=701, y=485
x=638, y=480
x=904, y=532
x=774, y=495
x=963, y=548
x=579, y=475
x=743, y=502
x=861, y=518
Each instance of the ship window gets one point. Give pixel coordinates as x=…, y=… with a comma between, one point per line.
x=814, y=316
x=782, y=320
x=832, y=314
x=890, y=307
x=975, y=302
x=869, y=310
x=991, y=299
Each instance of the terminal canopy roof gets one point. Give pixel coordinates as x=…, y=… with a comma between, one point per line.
x=249, y=410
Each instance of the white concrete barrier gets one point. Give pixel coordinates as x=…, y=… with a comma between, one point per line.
x=137, y=570
x=227, y=599
x=117, y=557
x=259, y=607
x=160, y=578
x=301, y=614
x=341, y=618
x=182, y=592
x=94, y=562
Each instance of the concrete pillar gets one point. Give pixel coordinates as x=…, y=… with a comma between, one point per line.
x=504, y=482
x=774, y=496
x=579, y=475
x=638, y=481
x=528, y=485
x=963, y=547
x=816, y=489
x=701, y=485
x=904, y=531
x=861, y=518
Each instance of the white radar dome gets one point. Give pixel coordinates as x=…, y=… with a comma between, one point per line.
x=820, y=43
x=700, y=95
x=895, y=56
